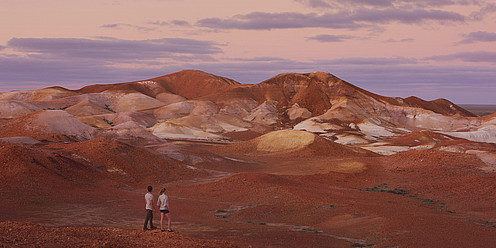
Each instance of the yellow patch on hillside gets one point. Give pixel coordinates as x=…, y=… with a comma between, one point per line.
x=284, y=140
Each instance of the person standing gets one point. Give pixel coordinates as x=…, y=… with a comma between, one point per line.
x=149, y=210
x=163, y=202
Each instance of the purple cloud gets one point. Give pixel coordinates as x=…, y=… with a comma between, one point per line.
x=439, y=3
x=115, y=25
x=331, y=38
x=483, y=12
x=258, y=59
x=51, y=61
x=180, y=23
x=342, y=20
x=124, y=25
x=377, y=3
x=478, y=56
x=406, y=16
x=18, y=70
x=267, y=21
x=159, y=23
x=479, y=36
x=371, y=61
x=170, y=23
x=388, y=3
x=111, y=49
x=341, y=4
x=399, y=41
x=315, y=3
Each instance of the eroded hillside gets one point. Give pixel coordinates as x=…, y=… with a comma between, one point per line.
x=296, y=160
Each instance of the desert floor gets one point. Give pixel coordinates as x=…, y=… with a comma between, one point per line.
x=411, y=199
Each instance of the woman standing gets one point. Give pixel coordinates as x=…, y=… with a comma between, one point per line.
x=163, y=202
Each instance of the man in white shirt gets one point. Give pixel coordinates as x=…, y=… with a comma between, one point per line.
x=149, y=209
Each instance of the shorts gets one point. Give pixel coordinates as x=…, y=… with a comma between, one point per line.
x=165, y=211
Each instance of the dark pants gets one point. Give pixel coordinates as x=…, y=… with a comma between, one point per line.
x=149, y=217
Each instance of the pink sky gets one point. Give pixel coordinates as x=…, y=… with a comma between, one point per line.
x=431, y=49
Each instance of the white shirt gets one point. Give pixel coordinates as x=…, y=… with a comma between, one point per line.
x=163, y=202
x=149, y=200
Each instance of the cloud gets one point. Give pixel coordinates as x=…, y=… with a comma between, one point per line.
x=485, y=7
x=192, y=58
x=480, y=36
x=105, y=49
x=399, y=41
x=2, y=47
x=439, y=3
x=159, y=23
x=341, y=20
x=115, y=25
x=477, y=56
x=267, y=21
x=258, y=59
x=341, y=4
x=17, y=70
x=124, y=25
x=371, y=61
x=170, y=23
x=406, y=16
x=331, y=38
x=483, y=12
x=180, y=23
x=315, y=3
x=461, y=84
x=388, y=3
x=51, y=61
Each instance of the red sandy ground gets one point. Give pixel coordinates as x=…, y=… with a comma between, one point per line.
x=412, y=199
x=15, y=234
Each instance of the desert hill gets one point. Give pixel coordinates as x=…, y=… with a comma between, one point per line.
x=46, y=125
x=300, y=159
x=292, y=143
x=188, y=83
x=50, y=93
x=320, y=102
x=293, y=152
x=441, y=106
x=94, y=162
x=15, y=108
x=196, y=105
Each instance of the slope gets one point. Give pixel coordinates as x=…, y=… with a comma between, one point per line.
x=187, y=83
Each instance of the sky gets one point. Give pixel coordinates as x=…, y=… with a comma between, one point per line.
x=426, y=48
